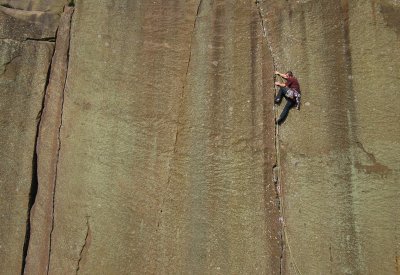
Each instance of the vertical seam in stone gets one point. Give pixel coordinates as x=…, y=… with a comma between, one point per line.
x=59, y=148
x=55, y=182
x=84, y=246
x=180, y=104
x=276, y=166
x=34, y=181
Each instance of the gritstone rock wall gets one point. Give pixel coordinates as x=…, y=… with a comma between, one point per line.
x=26, y=47
x=138, y=137
x=339, y=156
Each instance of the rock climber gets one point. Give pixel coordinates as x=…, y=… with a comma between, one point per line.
x=291, y=91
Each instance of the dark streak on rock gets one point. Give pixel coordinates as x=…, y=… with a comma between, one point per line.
x=253, y=57
x=352, y=123
x=330, y=258
x=8, y=6
x=31, y=202
x=391, y=15
x=373, y=9
x=85, y=245
x=43, y=39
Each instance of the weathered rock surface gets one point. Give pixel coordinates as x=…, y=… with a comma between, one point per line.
x=36, y=5
x=47, y=150
x=23, y=74
x=340, y=155
x=163, y=166
x=157, y=151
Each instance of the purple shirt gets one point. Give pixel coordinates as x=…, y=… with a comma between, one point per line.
x=292, y=83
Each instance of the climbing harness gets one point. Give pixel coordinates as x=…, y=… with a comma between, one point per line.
x=293, y=94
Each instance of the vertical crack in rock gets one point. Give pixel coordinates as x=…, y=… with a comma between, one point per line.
x=276, y=166
x=48, y=143
x=181, y=103
x=69, y=12
x=85, y=245
x=31, y=202
x=55, y=183
x=265, y=33
x=34, y=181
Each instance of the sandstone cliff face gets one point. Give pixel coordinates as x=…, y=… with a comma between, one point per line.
x=157, y=150
x=339, y=156
x=152, y=136
x=26, y=52
x=36, y=5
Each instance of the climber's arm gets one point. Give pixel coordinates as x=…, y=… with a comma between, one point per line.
x=281, y=75
x=280, y=84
